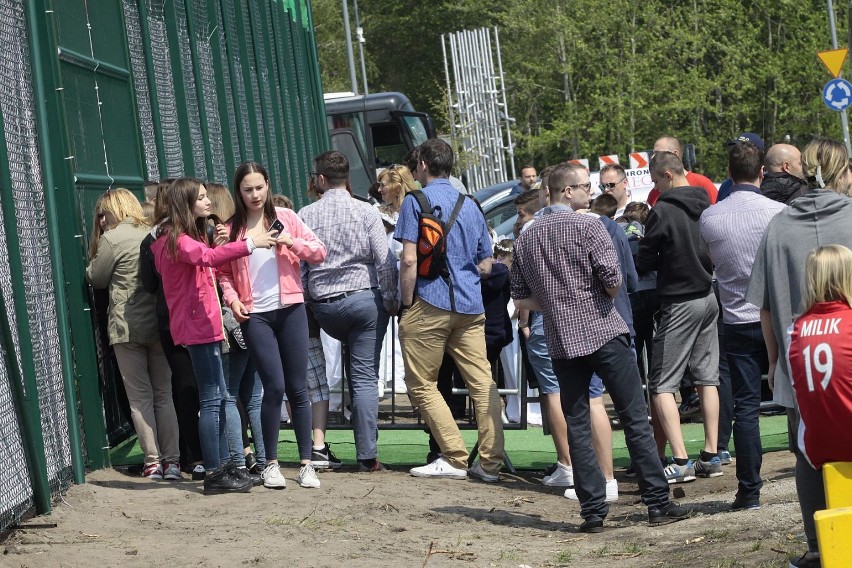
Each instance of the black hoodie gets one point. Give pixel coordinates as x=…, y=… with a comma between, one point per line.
x=674, y=248
x=783, y=187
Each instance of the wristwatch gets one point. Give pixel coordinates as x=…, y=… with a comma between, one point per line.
x=522, y=325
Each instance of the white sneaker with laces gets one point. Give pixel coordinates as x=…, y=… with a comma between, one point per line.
x=562, y=476
x=308, y=476
x=272, y=477
x=479, y=473
x=611, y=492
x=439, y=468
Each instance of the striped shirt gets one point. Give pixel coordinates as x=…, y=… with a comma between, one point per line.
x=357, y=248
x=732, y=230
x=567, y=260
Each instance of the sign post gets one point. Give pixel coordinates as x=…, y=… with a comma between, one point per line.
x=837, y=92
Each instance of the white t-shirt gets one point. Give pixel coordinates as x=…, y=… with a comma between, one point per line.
x=263, y=275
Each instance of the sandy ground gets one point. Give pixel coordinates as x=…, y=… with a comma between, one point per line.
x=393, y=519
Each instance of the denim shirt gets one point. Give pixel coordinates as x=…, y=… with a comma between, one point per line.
x=468, y=244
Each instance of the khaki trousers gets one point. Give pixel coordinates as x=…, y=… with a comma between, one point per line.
x=426, y=333
x=148, y=382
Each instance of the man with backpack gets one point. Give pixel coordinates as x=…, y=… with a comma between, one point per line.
x=446, y=248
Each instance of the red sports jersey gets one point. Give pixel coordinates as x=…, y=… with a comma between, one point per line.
x=820, y=359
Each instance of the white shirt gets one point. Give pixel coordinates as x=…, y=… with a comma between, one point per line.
x=263, y=275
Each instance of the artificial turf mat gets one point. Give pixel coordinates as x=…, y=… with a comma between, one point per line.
x=527, y=449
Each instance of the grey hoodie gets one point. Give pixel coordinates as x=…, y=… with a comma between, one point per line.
x=816, y=219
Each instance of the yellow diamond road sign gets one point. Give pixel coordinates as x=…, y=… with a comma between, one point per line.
x=833, y=60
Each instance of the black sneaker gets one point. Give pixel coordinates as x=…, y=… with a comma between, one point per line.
x=198, y=473
x=324, y=459
x=807, y=560
x=668, y=513
x=251, y=461
x=243, y=474
x=220, y=481
x=745, y=504
x=690, y=407
x=592, y=526
x=630, y=472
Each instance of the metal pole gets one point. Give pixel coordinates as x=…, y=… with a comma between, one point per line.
x=359, y=35
x=349, y=55
x=844, y=120
x=449, y=90
x=510, y=147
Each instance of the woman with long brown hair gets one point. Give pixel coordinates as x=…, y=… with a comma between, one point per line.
x=185, y=260
x=265, y=293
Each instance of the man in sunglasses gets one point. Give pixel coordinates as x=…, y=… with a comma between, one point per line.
x=613, y=180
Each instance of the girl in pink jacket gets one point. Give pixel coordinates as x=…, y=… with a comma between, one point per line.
x=185, y=263
x=265, y=293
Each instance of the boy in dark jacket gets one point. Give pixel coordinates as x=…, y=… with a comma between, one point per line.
x=686, y=338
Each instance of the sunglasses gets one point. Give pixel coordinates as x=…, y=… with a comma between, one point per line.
x=584, y=186
x=610, y=185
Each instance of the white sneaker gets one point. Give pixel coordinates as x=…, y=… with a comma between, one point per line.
x=562, y=476
x=611, y=492
x=272, y=477
x=479, y=473
x=439, y=468
x=308, y=476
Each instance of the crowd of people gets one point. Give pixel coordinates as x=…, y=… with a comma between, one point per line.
x=217, y=299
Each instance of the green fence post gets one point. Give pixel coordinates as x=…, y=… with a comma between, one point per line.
x=199, y=92
x=173, y=35
x=152, y=90
x=72, y=306
x=22, y=378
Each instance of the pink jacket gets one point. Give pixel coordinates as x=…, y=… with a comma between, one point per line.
x=189, y=287
x=234, y=277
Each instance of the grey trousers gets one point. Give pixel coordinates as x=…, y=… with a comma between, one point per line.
x=686, y=337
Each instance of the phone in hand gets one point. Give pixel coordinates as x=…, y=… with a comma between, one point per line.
x=277, y=225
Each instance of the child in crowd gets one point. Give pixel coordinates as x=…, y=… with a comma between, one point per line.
x=604, y=204
x=820, y=357
x=184, y=260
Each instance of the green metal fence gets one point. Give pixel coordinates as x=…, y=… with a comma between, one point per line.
x=98, y=94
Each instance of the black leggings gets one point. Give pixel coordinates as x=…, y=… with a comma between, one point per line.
x=278, y=343
x=185, y=395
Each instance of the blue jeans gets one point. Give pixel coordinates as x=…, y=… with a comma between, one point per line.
x=726, y=394
x=747, y=359
x=539, y=356
x=359, y=321
x=243, y=384
x=615, y=363
x=278, y=343
x=212, y=393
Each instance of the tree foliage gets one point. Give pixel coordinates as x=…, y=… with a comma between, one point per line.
x=586, y=78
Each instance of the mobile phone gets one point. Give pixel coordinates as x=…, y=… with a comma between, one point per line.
x=277, y=225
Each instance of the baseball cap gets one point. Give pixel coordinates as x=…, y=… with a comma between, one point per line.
x=747, y=137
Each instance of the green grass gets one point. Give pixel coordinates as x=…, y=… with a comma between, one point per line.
x=527, y=449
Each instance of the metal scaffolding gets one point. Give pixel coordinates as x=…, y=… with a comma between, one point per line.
x=476, y=95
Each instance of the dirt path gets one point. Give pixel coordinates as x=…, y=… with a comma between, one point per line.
x=393, y=519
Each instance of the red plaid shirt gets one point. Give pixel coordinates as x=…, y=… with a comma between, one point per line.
x=567, y=260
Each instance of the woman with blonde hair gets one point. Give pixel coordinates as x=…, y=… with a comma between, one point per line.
x=394, y=183
x=813, y=220
x=119, y=229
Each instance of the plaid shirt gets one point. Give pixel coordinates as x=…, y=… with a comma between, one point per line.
x=567, y=261
x=357, y=254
